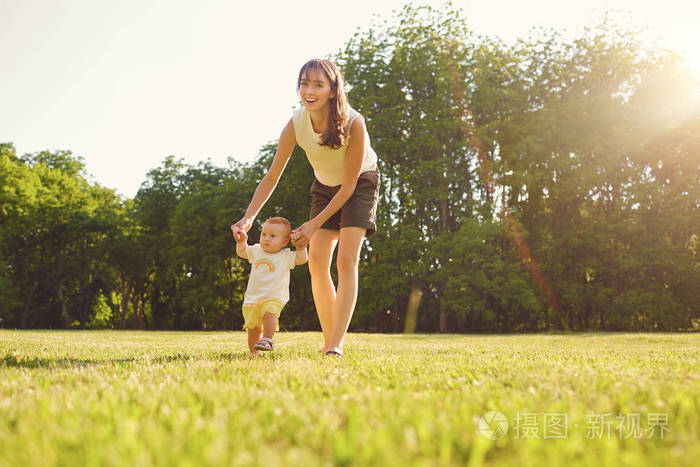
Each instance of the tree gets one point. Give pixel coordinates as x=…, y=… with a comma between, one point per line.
x=411, y=83
x=55, y=226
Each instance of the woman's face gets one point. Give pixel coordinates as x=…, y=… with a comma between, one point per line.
x=315, y=90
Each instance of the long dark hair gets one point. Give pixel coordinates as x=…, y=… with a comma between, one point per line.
x=335, y=133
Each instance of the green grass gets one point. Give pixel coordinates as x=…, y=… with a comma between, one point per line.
x=194, y=398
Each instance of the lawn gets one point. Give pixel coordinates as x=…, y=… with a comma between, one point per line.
x=195, y=398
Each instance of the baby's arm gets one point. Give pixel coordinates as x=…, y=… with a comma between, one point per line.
x=301, y=257
x=241, y=244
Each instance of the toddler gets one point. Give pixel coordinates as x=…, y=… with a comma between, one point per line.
x=268, y=285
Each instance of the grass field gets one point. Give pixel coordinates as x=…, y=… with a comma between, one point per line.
x=194, y=398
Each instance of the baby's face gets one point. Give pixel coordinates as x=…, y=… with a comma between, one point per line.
x=274, y=237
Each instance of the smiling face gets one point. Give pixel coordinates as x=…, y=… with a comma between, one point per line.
x=315, y=90
x=274, y=237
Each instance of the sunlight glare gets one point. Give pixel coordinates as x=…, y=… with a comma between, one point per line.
x=692, y=54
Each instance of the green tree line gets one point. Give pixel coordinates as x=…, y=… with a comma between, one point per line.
x=552, y=184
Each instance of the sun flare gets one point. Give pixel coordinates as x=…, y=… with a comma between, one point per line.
x=692, y=55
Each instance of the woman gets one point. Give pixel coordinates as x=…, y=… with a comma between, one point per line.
x=344, y=194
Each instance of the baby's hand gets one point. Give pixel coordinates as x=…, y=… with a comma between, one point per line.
x=302, y=236
x=239, y=234
x=296, y=241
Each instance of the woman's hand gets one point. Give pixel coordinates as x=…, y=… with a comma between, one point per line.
x=240, y=228
x=302, y=236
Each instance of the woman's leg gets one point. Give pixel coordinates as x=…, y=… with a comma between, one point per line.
x=320, y=254
x=349, y=246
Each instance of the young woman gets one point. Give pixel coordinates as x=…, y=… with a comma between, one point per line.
x=343, y=196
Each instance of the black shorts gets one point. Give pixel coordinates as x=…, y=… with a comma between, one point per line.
x=359, y=211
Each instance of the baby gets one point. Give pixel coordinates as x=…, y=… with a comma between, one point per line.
x=268, y=286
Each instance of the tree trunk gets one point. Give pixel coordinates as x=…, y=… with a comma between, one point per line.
x=571, y=318
x=441, y=306
x=124, y=302
x=64, y=309
x=27, y=306
x=139, y=311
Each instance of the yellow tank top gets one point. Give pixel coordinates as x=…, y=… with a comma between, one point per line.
x=328, y=164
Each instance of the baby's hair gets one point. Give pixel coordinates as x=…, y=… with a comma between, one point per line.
x=281, y=221
x=336, y=132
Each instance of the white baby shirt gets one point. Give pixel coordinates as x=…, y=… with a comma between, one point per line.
x=269, y=274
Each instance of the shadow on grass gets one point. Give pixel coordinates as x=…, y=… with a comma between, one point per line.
x=245, y=356
x=17, y=361
x=13, y=361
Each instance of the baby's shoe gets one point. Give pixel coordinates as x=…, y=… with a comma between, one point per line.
x=265, y=344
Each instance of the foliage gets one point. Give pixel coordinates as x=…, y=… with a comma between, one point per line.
x=558, y=155
x=547, y=185
x=55, y=230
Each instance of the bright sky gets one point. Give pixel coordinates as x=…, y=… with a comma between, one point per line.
x=126, y=83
